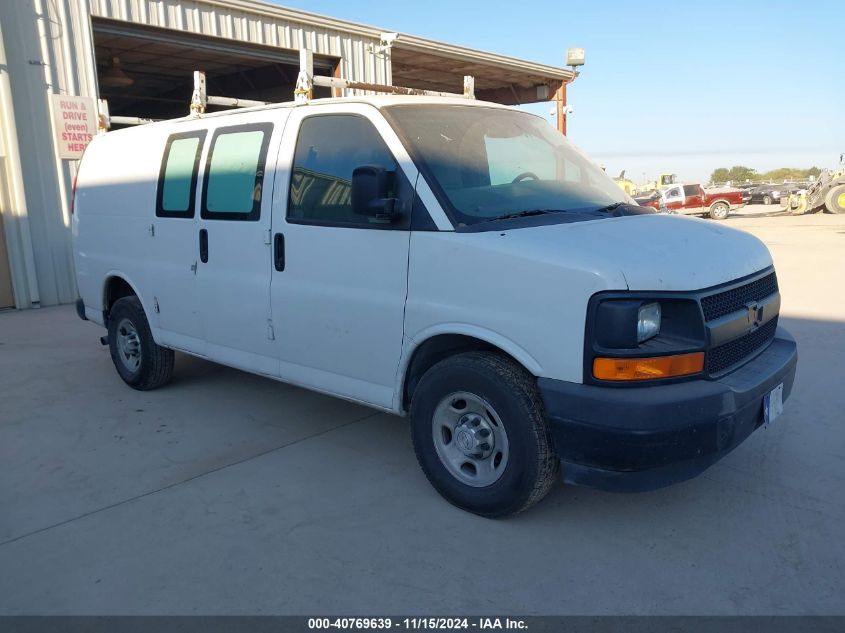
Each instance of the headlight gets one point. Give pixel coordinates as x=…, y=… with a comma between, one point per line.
x=627, y=337
x=648, y=321
x=625, y=323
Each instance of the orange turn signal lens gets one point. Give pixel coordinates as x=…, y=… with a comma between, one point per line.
x=651, y=368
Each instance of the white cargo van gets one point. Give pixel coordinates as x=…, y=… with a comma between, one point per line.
x=451, y=260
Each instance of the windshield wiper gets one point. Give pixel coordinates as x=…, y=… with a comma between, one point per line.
x=609, y=207
x=520, y=214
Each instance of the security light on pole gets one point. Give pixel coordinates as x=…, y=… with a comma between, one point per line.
x=574, y=57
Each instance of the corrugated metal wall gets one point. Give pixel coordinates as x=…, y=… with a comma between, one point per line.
x=49, y=50
x=17, y=245
x=44, y=47
x=261, y=25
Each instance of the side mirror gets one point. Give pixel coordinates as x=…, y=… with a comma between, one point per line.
x=370, y=186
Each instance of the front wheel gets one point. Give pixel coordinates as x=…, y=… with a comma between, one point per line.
x=767, y=200
x=834, y=200
x=799, y=205
x=719, y=211
x=480, y=435
x=140, y=362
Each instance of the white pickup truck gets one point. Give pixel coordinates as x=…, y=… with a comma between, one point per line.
x=451, y=260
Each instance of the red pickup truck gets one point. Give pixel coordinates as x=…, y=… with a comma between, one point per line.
x=695, y=200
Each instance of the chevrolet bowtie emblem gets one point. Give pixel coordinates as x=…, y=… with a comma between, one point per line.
x=755, y=314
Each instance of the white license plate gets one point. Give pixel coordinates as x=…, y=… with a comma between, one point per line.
x=773, y=404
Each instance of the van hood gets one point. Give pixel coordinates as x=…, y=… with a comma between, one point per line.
x=650, y=252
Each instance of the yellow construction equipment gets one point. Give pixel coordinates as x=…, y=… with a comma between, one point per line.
x=626, y=185
x=631, y=188
x=827, y=193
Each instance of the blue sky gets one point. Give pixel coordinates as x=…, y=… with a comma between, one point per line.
x=683, y=87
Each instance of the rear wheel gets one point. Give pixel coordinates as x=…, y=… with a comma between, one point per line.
x=767, y=200
x=140, y=362
x=834, y=201
x=719, y=210
x=480, y=435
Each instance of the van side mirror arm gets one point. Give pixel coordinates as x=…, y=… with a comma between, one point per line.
x=383, y=209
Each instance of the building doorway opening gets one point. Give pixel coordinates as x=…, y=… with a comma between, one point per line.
x=148, y=72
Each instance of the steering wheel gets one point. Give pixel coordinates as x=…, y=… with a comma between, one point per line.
x=524, y=175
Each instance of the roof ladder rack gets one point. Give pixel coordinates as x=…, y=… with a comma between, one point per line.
x=304, y=90
x=306, y=80
x=200, y=99
x=106, y=121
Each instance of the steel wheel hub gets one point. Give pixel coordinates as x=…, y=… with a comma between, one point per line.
x=470, y=439
x=128, y=345
x=474, y=436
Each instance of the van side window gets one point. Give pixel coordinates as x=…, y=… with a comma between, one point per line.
x=177, y=179
x=328, y=149
x=234, y=172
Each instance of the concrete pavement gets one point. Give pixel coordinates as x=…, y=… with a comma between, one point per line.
x=226, y=493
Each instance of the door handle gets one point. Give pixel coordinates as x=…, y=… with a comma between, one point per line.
x=279, y=251
x=203, y=246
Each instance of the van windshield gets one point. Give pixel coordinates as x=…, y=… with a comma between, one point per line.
x=485, y=163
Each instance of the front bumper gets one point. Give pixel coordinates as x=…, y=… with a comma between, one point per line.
x=642, y=438
x=80, y=309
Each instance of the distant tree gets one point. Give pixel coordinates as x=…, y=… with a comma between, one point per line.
x=779, y=174
x=720, y=175
x=740, y=173
x=790, y=173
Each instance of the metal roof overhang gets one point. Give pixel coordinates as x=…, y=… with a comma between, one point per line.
x=423, y=63
x=218, y=47
x=436, y=66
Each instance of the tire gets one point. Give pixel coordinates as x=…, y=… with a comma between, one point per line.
x=834, y=200
x=140, y=362
x=791, y=202
x=480, y=434
x=719, y=210
x=767, y=200
x=800, y=205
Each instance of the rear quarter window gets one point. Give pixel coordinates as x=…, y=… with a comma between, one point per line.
x=177, y=183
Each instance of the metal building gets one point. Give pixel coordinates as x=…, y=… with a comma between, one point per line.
x=139, y=56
